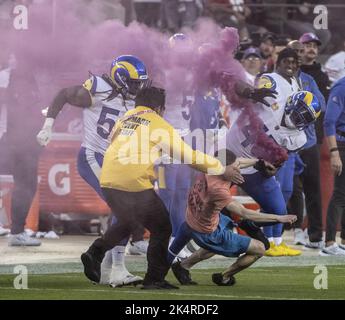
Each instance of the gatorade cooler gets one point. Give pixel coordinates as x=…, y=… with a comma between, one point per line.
x=62, y=190
x=6, y=188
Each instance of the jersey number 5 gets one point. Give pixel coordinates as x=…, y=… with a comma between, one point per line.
x=105, y=125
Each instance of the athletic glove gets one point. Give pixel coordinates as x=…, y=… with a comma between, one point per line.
x=259, y=95
x=265, y=168
x=45, y=135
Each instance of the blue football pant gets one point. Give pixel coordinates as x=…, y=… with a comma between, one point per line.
x=267, y=193
x=285, y=177
x=174, y=184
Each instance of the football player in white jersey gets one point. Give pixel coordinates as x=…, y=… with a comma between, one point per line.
x=301, y=109
x=285, y=126
x=103, y=99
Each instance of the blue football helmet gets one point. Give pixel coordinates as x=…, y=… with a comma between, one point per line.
x=302, y=109
x=129, y=75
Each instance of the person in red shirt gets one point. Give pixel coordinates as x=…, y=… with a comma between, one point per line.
x=212, y=230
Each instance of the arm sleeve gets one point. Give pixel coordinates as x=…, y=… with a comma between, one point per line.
x=171, y=143
x=335, y=107
x=76, y=96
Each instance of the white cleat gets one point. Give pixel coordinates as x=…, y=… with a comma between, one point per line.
x=106, y=268
x=315, y=245
x=333, y=250
x=299, y=238
x=184, y=254
x=124, y=279
x=4, y=231
x=22, y=239
x=105, y=276
x=138, y=247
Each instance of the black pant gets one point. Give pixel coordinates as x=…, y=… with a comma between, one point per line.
x=148, y=13
x=133, y=209
x=336, y=205
x=21, y=161
x=309, y=182
x=296, y=202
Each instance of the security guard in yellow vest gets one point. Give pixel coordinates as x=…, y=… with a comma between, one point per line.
x=138, y=141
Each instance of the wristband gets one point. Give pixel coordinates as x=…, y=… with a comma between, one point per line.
x=333, y=149
x=48, y=123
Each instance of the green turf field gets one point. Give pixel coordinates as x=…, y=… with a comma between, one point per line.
x=254, y=283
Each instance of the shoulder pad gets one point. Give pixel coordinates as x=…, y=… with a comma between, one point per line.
x=96, y=84
x=266, y=81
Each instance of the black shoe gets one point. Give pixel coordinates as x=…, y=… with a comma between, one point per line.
x=92, y=267
x=182, y=274
x=218, y=279
x=158, y=285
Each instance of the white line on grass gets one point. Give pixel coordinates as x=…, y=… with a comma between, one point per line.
x=163, y=293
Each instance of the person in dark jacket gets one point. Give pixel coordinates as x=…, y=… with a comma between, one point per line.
x=20, y=152
x=310, y=66
x=308, y=181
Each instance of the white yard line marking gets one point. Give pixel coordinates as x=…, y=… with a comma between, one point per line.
x=203, y=271
x=165, y=293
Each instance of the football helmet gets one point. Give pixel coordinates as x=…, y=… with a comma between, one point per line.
x=176, y=39
x=129, y=75
x=302, y=109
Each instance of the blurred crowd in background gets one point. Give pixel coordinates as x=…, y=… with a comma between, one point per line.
x=265, y=28
x=271, y=22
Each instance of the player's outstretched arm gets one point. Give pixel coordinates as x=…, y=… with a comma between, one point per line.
x=237, y=208
x=76, y=96
x=245, y=90
x=246, y=162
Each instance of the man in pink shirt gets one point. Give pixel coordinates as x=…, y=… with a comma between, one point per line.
x=212, y=230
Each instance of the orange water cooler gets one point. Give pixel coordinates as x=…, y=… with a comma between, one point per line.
x=62, y=190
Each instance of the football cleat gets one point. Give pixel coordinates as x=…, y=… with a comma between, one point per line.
x=158, y=285
x=4, y=231
x=333, y=250
x=23, y=239
x=118, y=280
x=288, y=251
x=315, y=244
x=299, y=237
x=182, y=275
x=137, y=247
x=219, y=280
x=273, y=251
x=92, y=267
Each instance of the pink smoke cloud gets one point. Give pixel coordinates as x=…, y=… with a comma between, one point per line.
x=61, y=46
